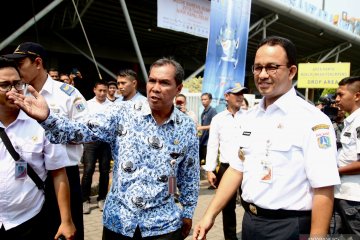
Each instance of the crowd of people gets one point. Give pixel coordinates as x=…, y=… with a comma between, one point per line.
x=296, y=171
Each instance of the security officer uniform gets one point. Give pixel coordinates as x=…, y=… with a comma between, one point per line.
x=285, y=151
x=67, y=101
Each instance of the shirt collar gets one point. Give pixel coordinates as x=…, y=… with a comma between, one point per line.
x=352, y=116
x=146, y=111
x=284, y=103
x=48, y=86
x=21, y=117
x=229, y=113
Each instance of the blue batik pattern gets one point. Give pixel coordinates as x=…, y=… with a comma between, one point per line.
x=142, y=152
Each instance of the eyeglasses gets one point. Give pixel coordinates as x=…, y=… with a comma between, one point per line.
x=269, y=69
x=17, y=84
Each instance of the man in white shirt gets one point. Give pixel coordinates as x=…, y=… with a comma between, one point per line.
x=224, y=131
x=286, y=161
x=180, y=103
x=127, y=86
x=64, y=100
x=347, y=194
x=96, y=151
x=23, y=214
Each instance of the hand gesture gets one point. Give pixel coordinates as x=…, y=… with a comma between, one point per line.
x=35, y=106
x=202, y=228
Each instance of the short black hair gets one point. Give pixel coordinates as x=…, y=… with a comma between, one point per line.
x=207, y=94
x=179, y=71
x=100, y=82
x=285, y=43
x=353, y=82
x=5, y=63
x=127, y=73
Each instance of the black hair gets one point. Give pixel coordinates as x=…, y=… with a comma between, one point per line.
x=285, y=43
x=128, y=73
x=179, y=71
x=5, y=63
x=207, y=94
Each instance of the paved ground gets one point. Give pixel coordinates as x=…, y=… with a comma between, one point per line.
x=93, y=221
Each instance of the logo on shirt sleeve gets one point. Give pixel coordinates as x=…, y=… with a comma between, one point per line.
x=323, y=135
x=79, y=104
x=66, y=88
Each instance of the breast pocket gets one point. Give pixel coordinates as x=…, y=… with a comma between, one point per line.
x=345, y=139
x=31, y=151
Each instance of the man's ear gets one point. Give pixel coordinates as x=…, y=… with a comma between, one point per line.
x=179, y=88
x=293, y=71
x=357, y=96
x=38, y=61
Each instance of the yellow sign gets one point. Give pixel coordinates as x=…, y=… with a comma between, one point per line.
x=322, y=75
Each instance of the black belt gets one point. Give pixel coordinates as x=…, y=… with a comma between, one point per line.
x=225, y=164
x=269, y=213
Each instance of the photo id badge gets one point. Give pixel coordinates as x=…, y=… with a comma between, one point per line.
x=172, y=185
x=20, y=169
x=267, y=173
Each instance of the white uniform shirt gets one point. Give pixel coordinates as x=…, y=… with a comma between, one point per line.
x=97, y=107
x=350, y=141
x=137, y=97
x=301, y=147
x=224, y=136
x=66, y=101
x=21, y=200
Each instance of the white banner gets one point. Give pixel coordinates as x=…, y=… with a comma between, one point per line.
x=189, y=16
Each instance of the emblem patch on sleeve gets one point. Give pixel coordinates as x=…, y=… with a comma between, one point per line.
x=79, y=104
x=324, y=141
x=66, y=88
x=320, y=126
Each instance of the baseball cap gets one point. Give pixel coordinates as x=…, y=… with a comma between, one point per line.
x=112, y=83
x=236, y=89
x=28, y=49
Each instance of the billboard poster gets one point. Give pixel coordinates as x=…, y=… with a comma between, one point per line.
x=227, y=45
x=188, y=16
x=322, y=75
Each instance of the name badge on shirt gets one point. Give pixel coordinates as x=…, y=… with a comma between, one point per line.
x=347, y=134
x=267, y=172
x=20, y=169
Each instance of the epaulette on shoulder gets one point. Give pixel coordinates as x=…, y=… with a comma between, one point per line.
x=66, y=88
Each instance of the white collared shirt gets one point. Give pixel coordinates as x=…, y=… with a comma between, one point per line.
x=349, y=188
x=65, y=100
x=20, y=200
x=137, y=97
x=98, y=107
x=224, y=136
x=298, y=141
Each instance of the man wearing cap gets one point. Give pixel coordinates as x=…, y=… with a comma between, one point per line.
x=224, y=131
x=286, y=162
x=127, y=85
x=63, y=100
x=112, y=91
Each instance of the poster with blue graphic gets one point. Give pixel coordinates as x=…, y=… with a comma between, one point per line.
x=227, y=45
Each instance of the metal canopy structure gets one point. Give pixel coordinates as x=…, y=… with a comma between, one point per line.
x=55, y=24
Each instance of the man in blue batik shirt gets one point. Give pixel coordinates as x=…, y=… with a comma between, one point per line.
x=154, y=147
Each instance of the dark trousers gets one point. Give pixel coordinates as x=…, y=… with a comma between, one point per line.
x=110, y=235
x=228, y=213
x=54, y=221
x=96, y=151
x=202, y=153
x=31, y=229
x=346, y=217
x=259, y=228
